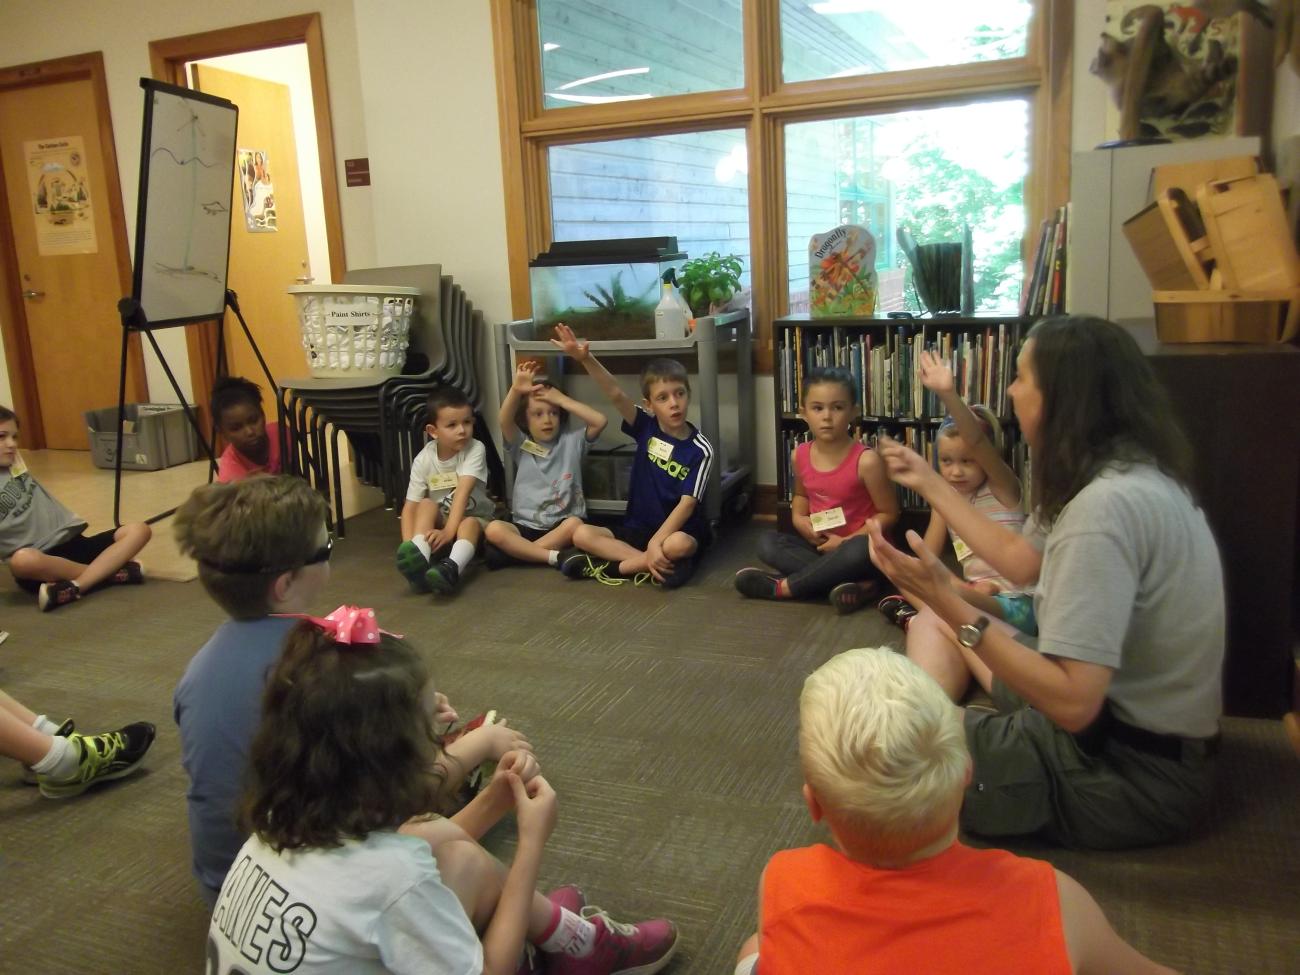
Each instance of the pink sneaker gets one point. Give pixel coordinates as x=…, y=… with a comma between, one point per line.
x=569, y=897
x=620, y=949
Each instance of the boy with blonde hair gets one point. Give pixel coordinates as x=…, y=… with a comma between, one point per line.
x=263, y=550
x=665, y=528
x=885, y=766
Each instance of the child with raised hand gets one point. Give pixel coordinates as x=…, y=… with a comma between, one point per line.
x=885, y=766
x=252, y=443
x=46, y=545
x=346, y=871
x=447, y=504
x=968, y=445
x=61, y=760
x=263, y=550
x=665, y=529
x=840, y=490
x=547, y=504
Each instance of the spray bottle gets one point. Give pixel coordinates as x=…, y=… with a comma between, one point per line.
x=670, y=314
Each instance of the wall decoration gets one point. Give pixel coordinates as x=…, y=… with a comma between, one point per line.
x=60, y=193
x=254, y=171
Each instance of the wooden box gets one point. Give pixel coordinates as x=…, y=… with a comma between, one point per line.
x=1248, y=232
x=1227, y=316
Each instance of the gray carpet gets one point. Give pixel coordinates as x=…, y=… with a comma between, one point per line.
x=665, y=721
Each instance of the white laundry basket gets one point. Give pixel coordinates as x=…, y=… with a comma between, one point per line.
x=354, y=331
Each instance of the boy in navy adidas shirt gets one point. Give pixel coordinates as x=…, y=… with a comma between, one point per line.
x=665, y=528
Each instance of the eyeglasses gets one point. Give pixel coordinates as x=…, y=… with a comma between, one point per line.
x=322, y=554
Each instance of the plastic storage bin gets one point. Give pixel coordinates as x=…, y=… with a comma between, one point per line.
x=602, y=289
x=160, y=436
x=353, y=331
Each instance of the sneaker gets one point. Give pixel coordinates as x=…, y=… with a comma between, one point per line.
x=897, y=610
x=848, y=597
x=443, y=576
x=52, y=595
x=495, y=559
x=569, y=897
x=756, y=584
x=620, y=949
x=63, y=731
x=412, y=564
x=131, y=574
x=576, y=564
x=103, y=758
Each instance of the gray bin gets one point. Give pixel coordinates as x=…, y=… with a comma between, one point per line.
x=161, y=437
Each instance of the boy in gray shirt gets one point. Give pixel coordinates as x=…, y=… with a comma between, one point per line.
x=45, y=544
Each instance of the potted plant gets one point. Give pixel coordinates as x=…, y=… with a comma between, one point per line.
x=708, y=282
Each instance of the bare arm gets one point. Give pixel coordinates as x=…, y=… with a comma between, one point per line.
x=936, y=533
x=1093, y=945
x=594, y=420
x=581, y=352
x=523, y=387
x=677, y=518
x=460, y=501
x=799, y=514
x=535, y=810
x=872, y=473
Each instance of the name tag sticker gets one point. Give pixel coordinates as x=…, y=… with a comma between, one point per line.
x=659, y=449
x=962, y=549
x=443, y=482
x=826, y=520
x=19, y=467
x=530, y=446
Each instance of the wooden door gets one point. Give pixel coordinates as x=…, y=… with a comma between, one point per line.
x=65, y=240
x=264, y=262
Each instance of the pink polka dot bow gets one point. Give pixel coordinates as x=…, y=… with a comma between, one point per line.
x=349, y=624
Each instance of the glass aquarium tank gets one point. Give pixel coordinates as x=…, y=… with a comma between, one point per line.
x=605, y=290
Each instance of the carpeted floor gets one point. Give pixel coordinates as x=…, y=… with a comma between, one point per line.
x=665, y=721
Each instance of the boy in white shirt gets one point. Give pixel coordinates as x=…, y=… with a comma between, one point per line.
x=447, y=504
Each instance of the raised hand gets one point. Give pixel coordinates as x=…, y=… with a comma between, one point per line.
x=525, y=383
x=935, y=374
x=905, y=466
x=570, y=344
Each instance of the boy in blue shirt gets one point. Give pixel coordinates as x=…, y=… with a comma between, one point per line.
x=665, y=528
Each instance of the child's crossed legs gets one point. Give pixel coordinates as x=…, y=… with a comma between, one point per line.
x=506, y=536
x=36, y=566
x=679, y=548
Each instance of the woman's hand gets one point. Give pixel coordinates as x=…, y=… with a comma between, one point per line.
x=935, y=374
x=906, y=466
x=525, y=383
x=569, y=343
x=926, y=577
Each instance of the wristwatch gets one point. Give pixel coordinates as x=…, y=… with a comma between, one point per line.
x=970, y=634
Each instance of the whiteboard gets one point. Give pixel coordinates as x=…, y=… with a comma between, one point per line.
x=187, y=174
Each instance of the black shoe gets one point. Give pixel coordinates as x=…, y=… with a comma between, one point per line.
x=897, y=610
x=495, y=559
x=848, y=597
x=756, y=584
x=443, y=576
x=577, y=564
x=52, y=595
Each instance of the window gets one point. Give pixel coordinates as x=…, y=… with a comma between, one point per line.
x=745, y=126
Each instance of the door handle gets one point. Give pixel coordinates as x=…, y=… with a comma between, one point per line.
x=33, y=294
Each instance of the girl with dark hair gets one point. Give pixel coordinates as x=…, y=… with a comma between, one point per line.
x=252, y=444
x=840, y=490
x=346, y=870
x=1104, y=728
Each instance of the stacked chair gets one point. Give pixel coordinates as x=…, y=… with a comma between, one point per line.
x=384, y=418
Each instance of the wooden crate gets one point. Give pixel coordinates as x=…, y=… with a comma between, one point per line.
x=1248, y=232
x=1227, y=316
x=1170, y=243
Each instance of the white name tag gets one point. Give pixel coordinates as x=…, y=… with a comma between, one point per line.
x=823, y=521
x=659, y=449
x=443, y=482
x=534, y=448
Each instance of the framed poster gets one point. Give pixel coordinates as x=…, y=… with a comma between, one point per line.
x=187, y=173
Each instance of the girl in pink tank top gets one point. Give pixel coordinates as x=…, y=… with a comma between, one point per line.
x=840, y=488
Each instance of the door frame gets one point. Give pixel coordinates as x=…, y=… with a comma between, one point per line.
x=17, y=340
x=168, y=58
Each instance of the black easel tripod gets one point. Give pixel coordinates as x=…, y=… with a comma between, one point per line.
x=133, y=320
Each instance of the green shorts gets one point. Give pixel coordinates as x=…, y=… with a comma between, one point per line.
x=1032, y=777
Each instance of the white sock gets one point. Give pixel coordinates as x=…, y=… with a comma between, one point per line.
x=44, y=725
x=61, y=761
x=553, y=558
x=422, y=543
x=461, y=552
x=573, y=936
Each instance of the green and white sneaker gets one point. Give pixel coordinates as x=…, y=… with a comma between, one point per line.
x=65, y=730
x=103, y=758
x=412, y=564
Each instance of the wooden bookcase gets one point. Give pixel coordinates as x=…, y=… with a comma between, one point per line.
x=891, y=399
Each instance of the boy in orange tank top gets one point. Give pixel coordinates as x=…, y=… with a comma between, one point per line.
x=885, y=766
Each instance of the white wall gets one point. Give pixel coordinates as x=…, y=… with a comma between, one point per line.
x=288, y=66
x=122, y=30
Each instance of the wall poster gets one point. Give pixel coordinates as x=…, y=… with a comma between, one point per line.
x=60, y=193
x=254, y=171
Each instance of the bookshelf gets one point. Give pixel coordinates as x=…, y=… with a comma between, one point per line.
x=881, y=354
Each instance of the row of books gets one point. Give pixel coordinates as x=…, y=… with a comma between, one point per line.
x=1045, y=292
x=920, y=439
x=883, y=365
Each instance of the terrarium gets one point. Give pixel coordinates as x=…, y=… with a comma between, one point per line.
x=605, y=290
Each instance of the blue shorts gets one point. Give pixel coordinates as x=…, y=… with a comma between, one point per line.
x=1018, y=610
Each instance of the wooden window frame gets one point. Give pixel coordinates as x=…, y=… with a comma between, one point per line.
x=763, y=107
